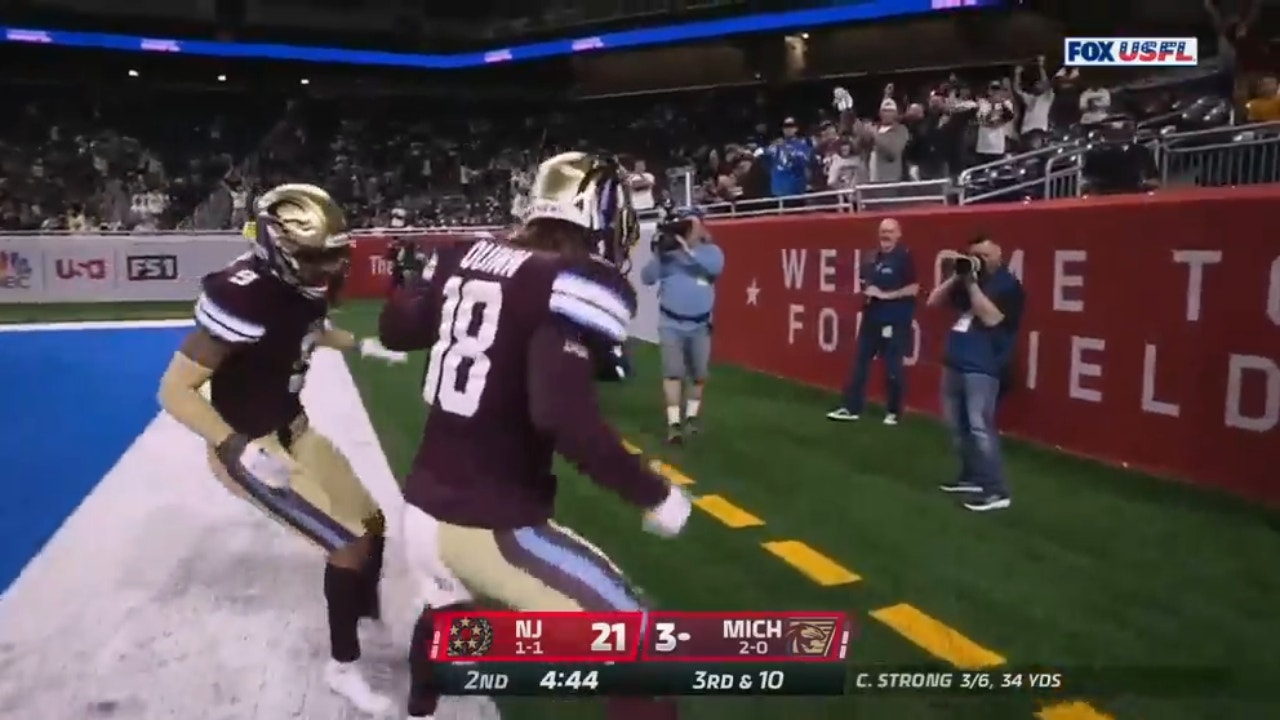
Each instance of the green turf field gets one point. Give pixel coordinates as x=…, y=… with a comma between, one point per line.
x=1092, y=567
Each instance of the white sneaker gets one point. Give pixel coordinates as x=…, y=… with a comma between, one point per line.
x=345, y=679
x=890, y=419
x=842, y=415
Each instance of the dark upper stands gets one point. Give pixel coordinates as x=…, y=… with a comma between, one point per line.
x=103, y=149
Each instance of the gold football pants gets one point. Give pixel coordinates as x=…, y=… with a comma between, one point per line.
x=325, y=502
x=539, y=568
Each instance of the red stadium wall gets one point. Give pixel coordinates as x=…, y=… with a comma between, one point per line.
x=1151, y=336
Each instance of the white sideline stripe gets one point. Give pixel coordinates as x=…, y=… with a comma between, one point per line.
x=95, y=325
x=161, y=582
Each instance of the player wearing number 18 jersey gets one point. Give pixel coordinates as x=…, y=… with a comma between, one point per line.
x=514, y=329
x=258, y=321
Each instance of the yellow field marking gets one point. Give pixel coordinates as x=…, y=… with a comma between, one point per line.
x=811, y=563
x=726, y=512
x=672, y=474
x=937, y=638
x=1074, y=710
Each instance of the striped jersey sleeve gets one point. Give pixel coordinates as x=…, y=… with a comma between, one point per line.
x=224, y=324
x=591, y=304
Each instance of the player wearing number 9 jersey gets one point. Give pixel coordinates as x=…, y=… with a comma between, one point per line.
x=513, y=328
x=258, y=321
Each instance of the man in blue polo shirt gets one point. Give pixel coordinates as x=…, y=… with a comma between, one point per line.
x=980, y=343
x=890, y=287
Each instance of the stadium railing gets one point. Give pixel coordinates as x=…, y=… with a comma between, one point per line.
x=1061, y=176
x=1232, y=155
x=868, y=196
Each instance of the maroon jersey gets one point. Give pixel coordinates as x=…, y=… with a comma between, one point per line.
x=271, y=328
x=510, y=380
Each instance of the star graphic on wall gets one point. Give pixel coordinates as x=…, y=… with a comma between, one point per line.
x=753, y=293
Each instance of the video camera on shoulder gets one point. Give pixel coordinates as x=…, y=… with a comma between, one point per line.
x=671, y=229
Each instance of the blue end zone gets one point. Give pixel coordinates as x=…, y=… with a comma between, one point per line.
x=72, y=402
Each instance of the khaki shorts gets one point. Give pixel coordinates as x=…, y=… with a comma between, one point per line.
x=538, y=568
x=685, y=354
x=326, y=503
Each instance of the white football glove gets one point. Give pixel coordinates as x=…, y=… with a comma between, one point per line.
x=841, y=100
x=271, y=469
x=670, y=516
x=373, y=348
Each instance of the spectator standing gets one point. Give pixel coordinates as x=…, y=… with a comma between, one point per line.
x=956, y=111
x=845, y=169
x=239, y=201
x=685, y=274
x=888, y=141
x=1095, y=105
x=889, y=286
x=1036, y=105
x=641, y=182
x=790, y=158
x=1265, y=105
x=1243, y=46
x=995, y=118
x=989, y=300
x=1066, y=108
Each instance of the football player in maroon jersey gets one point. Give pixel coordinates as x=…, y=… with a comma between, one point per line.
x=258, y=321
x=515, y=331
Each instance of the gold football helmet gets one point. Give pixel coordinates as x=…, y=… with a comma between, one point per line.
x=302, y=233
x=588, y=191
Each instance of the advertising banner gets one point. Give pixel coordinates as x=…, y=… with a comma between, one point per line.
x=80, y=270
x=110, y=268
x=1150, y=336
x=21, y=278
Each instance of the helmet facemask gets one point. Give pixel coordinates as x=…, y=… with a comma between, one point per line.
x=302, y=234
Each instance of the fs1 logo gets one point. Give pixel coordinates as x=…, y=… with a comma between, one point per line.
x=152, y=267
x=15, y=271
x=1121, y=52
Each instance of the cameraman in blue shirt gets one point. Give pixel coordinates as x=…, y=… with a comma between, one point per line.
x=685, y=265
x=980, y=344
x=890, y=287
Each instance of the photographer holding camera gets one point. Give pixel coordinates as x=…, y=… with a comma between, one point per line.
x=407, y=261
x=980, y=343
x=685, y=265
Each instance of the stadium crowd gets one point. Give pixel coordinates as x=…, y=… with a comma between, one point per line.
x=159, y=157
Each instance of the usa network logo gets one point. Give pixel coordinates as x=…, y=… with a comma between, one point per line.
x=15, y=271
x=1121, y=52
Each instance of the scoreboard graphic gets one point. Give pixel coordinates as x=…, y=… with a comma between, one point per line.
x=632, y=653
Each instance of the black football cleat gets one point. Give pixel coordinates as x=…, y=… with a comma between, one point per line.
x=674, y=436
x=691, y=426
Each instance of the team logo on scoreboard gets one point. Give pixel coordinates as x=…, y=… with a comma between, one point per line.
x=470, y=637
x=810, y=636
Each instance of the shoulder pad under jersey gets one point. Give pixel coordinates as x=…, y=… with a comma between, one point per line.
x=596, y=297
x=235, y=303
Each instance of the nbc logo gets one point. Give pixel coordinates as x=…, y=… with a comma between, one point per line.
x=15, y=271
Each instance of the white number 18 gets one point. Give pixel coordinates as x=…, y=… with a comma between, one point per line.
x=459, y=341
